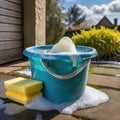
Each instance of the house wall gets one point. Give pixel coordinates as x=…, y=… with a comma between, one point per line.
x=40, y=24
x=22, y=24
x=34, y=22
x=11, y=30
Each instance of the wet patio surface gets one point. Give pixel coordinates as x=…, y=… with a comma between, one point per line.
x=101, y=77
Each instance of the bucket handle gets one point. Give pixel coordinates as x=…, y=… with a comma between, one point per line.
x=74, y=73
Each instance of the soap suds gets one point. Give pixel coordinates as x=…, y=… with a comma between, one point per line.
x=90, y=98
x=64, y=45
x=26, y=72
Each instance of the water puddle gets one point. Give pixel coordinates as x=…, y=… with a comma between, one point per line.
x=12, y=108
x=106, y=62
x=2, y=106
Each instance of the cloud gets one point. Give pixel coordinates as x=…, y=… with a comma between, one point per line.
x=114, y=6
x=96, y=12
x=98, y=9
x=84, y=9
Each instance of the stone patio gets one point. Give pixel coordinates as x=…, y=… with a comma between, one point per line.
x=102, y=77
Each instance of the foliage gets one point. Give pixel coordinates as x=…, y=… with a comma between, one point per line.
x=70, y=32
x=75, y=16
x=55, y=29
x=106, y=41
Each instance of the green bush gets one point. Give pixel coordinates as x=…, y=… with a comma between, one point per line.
x=106, y=41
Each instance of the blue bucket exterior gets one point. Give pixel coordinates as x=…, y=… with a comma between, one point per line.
x=59, y=90
x=56, y=89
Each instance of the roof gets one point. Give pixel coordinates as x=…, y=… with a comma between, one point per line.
x=105, y=22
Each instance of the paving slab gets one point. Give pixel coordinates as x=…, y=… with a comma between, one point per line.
x=64, y=117
x=21, y=64
x=107, y=111
x=107, y=71
x=6, y=68
x=102, y=80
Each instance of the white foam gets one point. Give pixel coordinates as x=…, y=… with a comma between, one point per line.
x=26, y=72
x=64, y=45
x=12, y=108
x=91, y=97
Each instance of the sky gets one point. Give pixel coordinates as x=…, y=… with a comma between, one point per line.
x=97, y=9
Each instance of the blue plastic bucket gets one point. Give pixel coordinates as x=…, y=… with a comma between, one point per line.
x=62, y=81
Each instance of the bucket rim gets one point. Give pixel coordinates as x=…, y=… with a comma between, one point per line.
x=83, y=52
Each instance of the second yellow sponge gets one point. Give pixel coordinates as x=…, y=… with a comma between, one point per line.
x=20, y=98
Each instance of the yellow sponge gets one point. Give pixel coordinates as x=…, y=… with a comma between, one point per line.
x=23, y=99
x=14, y=80
x=23, y=86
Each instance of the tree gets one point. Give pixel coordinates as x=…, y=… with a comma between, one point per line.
x=75, y=16
x=55, y=29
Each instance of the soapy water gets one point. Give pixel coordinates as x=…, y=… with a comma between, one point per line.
x=64, y=47
x=90, y=98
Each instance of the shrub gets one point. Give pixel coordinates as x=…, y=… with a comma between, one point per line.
x=106, y=41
